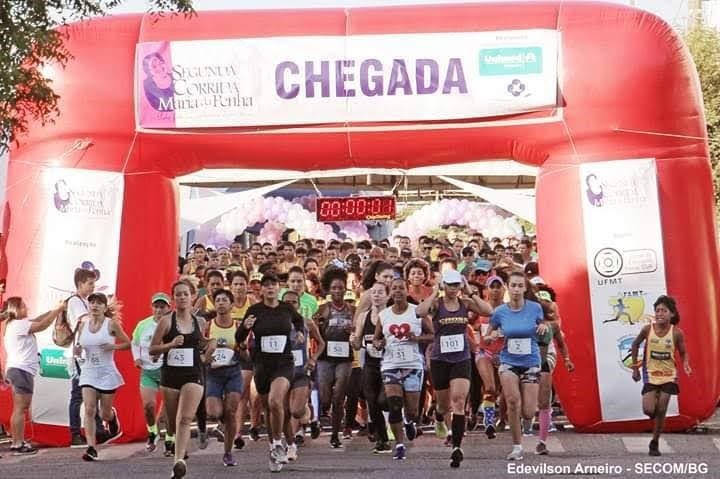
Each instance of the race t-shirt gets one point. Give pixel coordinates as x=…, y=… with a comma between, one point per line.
x=520, y=331
x=141, y=339
x=272, y=331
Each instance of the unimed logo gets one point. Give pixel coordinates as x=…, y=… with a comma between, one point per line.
x=511, y=61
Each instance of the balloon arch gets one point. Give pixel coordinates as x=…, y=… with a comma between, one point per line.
x=279, y=214
x=397, y=88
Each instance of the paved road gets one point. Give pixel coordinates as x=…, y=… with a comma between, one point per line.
x=622, y=456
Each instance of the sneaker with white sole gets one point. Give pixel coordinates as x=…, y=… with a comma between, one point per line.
x=203, y=440
x=279, y=455
x=456, y=457
x=229, y=460
x=515, y=455
x=292, y=454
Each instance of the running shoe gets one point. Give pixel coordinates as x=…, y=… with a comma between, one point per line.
x=24, y=449
x=169, y=448
x=501, y=426
x=90, y=454
x=179, y=469
x=382, y=447
x=229, y=460
x=113, y=428
x=300, y=438
x=254, y=434
x=218, y=433
x=314, y=430
x=456, y=457
x=347, y=433
x=515, y=455
x=77, y=441
x=410, y=431
x=363, y=431
x=335, y=442
x=203, y=440
x=441, y=430
x=151, y=443
x=541, y=449
x=400, y=453
x=279, y=455
x=275, y=466
x=239, y=442
x=654, y=448
x=292, y=454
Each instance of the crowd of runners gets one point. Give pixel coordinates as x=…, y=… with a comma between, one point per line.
x=376, y=338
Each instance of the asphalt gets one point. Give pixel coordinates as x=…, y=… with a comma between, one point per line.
x=585, y=455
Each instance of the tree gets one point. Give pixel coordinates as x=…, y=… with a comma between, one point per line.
x=30, y=39
x=704, y=45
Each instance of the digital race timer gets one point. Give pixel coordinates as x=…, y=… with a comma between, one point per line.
x=356, y=208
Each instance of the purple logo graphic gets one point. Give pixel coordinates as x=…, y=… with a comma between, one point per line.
x=155, y=88
x=516, y=88
x=158, y=82
x=61, y=198
x=594, y=190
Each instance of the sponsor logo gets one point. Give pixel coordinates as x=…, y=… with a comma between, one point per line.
x=511, y=61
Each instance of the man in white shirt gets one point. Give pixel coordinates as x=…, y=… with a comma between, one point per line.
x=77, y=307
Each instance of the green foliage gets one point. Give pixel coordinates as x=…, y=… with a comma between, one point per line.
x=704, y=45
x=29, y=40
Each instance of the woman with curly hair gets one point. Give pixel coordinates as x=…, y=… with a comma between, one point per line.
x=659, y=371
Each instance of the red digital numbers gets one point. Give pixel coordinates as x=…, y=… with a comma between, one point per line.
x=360, y=208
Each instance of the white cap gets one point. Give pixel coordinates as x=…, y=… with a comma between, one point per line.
x=537, y=280
x=451, y=276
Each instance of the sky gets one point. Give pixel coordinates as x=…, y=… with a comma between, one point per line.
x=673, y=11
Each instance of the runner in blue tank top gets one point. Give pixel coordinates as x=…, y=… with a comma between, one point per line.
x=450, y=364
x=522, y=323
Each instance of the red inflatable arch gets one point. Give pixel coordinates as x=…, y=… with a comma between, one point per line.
x=623, y=88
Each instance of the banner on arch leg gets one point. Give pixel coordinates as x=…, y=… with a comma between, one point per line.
x=626, y=271
x=82, y=230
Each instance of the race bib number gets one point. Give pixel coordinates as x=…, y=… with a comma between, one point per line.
x=223, y=357
x=273, y=344
x=338, y=349
x=452, y=343
x=403, y=352
x=298, y=358
x=370, y=348
x=519, y=346
x=180, y=357
x=93, y=358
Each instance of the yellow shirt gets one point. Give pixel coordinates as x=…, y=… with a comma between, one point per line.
x=239, y=313
x=659, y=360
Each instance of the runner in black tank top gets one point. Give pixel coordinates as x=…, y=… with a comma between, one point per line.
x=335, y=321
x=179, y=337
x=450, y=365
x=373, y=389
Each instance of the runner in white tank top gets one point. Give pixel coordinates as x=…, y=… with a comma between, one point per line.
x=98, y=338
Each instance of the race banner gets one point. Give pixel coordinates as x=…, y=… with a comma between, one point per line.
x=82, y=230
x=626, y=271
x=344, y=79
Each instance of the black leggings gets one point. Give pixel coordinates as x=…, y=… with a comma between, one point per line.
x=374, y=393
x=353, y=393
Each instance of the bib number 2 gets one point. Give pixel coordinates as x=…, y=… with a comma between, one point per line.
x=519, y=346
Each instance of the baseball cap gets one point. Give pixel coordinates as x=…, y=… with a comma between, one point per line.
x=256, y=277
x=483, y=265
x=493, y=279
x=451, y=277
x=537, y=280
x=160, y=297
x=349, y=296
x=98, y=297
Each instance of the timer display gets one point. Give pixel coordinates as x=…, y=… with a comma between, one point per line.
x=356, y=208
